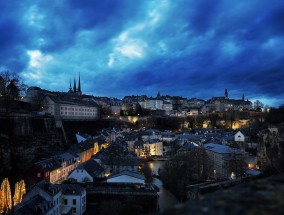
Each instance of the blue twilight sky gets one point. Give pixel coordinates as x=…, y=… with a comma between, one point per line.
x=191, y=48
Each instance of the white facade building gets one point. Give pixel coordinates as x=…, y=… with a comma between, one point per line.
x=80, y=175
x=70, y=108
x=152, y=104
x=239, y=137
x=154, y=147
x=50, y=193
x=74, y=196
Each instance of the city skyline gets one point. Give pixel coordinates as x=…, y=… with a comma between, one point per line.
x=184, y=48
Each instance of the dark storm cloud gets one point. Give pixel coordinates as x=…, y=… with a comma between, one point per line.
x=187, y=47
x=13, y=38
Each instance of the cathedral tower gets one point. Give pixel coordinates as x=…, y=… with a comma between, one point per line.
x=74, y=87
x=226, y=94
x=79, y=86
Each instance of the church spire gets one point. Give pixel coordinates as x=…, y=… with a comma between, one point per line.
x=70, y=87
x=79, y=84
x=74, y=87
x=158, y=95
x=226, y=94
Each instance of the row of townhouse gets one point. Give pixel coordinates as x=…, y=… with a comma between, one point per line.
x=108, y=161
x=57, y=168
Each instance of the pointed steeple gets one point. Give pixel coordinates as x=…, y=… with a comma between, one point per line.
x=226, y=94
x=70, y=87
x=158, y=95
x=79, y=84
x=74, y=87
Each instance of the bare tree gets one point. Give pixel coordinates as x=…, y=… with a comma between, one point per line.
x=8, y=77
x=235, y=165
x=258, y=105
x=183, y=169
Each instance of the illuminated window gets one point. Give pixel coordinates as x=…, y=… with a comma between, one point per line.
x=250, y=166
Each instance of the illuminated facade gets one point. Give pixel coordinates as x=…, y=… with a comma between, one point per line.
x=153, y=147
x=148, y=148
x=55, y=169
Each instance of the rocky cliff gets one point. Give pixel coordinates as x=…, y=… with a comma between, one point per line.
x=24, y=139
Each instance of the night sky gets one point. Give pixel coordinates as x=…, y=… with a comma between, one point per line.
x=191, y=48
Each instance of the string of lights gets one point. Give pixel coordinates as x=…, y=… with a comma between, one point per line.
x=6, y=201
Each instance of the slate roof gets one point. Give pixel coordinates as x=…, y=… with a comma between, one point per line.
x=221, y=149
x=101, y=139
x=122, y=161
x=49, y=188
x=82, y=146
x=150, y=132
x=167, y=134
x=35, y=206
x=93, y=168
x=72, y=189
x=128, y=173
x=190, y=145
x=130, y=137
x=152, y=141
x=48, y=165
x=239, y=101
x=66, y=156
x=138, y=143
x=72, y=101
x=253, y=172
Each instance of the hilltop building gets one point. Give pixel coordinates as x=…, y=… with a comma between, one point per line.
x=224, y=103
x=64, y=105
